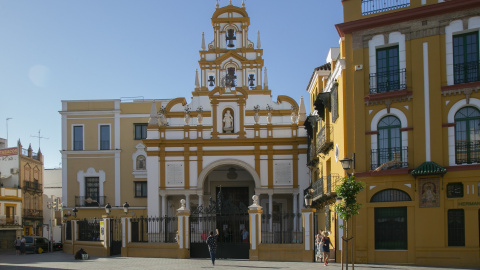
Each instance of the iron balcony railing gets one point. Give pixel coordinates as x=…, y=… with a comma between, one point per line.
x=332, y=180
x=90, y=201
x=377, y=6
x=466, y=72
x=382, y=82
x=33, y=186
x=317, y=187
x=10, y=220
x=324, y=138
x=467, y=152
x=389, y=158
x=32, y=213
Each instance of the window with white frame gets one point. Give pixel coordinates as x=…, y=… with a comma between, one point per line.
x=77, y=137
x=467, y=135
x=466, y=58
x=104, y=137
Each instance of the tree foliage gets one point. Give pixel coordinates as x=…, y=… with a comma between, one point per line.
x=348, y=191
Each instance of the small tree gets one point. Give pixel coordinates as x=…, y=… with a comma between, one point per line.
x=348, y=207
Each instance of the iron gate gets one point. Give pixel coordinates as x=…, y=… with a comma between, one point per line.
x=230, y=218
x=115, y=236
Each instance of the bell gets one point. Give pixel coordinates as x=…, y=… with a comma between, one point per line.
x=211, y=81
x=251, y=80
x=230, y=38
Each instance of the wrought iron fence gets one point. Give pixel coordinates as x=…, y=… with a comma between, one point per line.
x=389, y=158
x=467, y=152
x=89, y=230
x=466, y=72
x=377, y=6
x=382, y=82
x=68, y=230
x=90, y=202
x=282, y=228
x=154, y=229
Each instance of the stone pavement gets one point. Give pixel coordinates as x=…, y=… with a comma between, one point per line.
x=60, y=260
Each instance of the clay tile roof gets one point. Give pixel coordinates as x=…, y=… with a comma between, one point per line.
x=429, y=168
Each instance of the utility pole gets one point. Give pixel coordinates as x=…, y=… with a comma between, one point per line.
x=8, y=118
x=39, y=137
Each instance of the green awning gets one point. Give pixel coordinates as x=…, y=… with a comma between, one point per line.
x=429, y=168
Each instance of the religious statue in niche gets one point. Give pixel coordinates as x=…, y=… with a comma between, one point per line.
x=429, y=189
x=141, y=163
x=227, y=122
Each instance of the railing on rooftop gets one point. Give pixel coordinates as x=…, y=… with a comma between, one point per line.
x=382, y=82
x=377, y=6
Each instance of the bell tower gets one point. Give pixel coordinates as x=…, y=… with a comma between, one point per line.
x=231, y=61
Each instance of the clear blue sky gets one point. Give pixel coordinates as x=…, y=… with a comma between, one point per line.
x=53, y=50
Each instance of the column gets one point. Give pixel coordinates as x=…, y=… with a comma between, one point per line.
x=308, y=233
x=187, y=201
x=295, y=201
x=255, y=216
x=270, y=209
x=126, y=234
x=183, y=237
x=164, y=205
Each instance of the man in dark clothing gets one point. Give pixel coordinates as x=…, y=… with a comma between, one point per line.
x=212, y=245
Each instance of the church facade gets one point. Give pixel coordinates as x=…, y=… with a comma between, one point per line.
x=232, y=137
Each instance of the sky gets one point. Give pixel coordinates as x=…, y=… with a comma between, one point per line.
x=54, y=50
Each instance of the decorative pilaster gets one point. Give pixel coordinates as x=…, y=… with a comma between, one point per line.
x=183, y=237
x=255, y=215
x=308, y=232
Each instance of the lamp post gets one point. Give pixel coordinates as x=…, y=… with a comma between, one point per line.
x=108, y=209
x=52, y=206
x=125, y=207
x=348, y=164
x=308, y=200
x=75, y=210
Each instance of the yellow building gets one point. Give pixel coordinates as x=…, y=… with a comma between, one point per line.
x=21, y=203
x=401, y=96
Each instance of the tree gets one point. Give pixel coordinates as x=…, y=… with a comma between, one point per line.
x=348, y=206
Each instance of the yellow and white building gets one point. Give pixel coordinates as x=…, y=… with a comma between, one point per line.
x=230, y=135
x=408, y=109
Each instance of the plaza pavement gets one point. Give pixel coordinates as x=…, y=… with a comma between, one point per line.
x=60, y=260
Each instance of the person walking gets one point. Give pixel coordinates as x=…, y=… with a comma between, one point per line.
x=245, y=236
x=326, y=243
x=18, y=243
x=212, y=245
x=22, y=245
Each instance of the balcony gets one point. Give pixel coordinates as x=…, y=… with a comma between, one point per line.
x=377, y=6
x=82, y=201
x=466, y=72
x=32, y=213
x=467, y=152
x=332, y=181
x=324, y=139
x=9, y=221
x=390, y=81
x=317, y=187
x=389, y=158
x=32, y=186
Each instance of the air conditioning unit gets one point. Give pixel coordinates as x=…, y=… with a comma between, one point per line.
x=13, y=170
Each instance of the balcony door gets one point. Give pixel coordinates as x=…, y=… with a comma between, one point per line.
x=388, y=67
x=92, y=190
x=389, y=139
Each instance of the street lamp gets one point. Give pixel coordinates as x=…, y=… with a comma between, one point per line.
x=348, y=164
x=308, y=200
x=75, y=210
x=125, y=207
x=108, y=208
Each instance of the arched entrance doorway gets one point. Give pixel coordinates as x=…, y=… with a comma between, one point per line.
x=227, y=189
